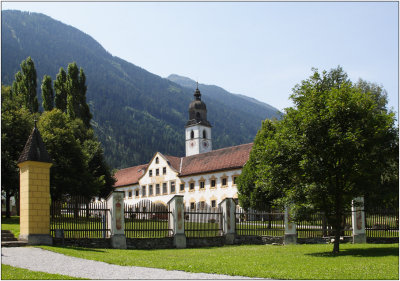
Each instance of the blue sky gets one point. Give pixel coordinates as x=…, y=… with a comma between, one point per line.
x=260, y=49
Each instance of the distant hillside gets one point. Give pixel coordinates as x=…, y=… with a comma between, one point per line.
x=135, y=113
x=240, y=103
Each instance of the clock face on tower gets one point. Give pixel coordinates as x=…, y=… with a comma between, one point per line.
x=205, y=144
x=191, y=144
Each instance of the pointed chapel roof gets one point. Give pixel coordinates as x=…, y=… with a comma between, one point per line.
x=34, y=149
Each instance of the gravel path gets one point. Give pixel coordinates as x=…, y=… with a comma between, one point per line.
x=46, y=261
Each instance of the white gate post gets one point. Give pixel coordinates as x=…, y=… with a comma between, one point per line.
x=228, y=220
x=290, y=228
x=176, y=221
x=116, y=220
x=358, y=220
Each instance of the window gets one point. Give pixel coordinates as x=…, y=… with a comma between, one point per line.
x=224, y=181
x=197, y=115
x=202, y=205
x=164, y=170
x=137, y=192
x=234, y=179
x=213, y=182
x=164, y=188
x=182, y=187
x=150, y=173
x=150, y=190
x=157, y=172
x=157, y=160
x=191, y=186
x=201, y=184
x=192, y=134
x=192, y=205
x=204, y=134
x=213, y=203
x=172, y=187
x=130, y=193
x=143, y=190
x=157, y=189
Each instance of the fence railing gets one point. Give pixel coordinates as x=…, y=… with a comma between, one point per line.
x=382, y=223
x=253, y=222
x=203, y=221
x=77, y=217
x=146, y=219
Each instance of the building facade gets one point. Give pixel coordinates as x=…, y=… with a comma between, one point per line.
x=204, y=176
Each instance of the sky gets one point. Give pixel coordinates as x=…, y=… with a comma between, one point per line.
x=259, y=49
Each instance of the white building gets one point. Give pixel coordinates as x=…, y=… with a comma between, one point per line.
x=203, y=177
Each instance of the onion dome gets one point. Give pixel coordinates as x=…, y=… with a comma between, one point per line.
x=197, y=110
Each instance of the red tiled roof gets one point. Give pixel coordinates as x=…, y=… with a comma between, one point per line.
x=233, y=157
x=174, y=161
x=129, y=175
x=216, y=160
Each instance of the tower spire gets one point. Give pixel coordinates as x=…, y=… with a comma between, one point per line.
x=197, y=93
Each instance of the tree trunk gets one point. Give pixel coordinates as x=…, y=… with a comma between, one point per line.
x=337, y=240
x=8, y=204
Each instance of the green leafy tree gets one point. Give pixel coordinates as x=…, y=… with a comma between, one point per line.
x=335, y=144
x=16, y=125
x=25, y=84
x=47, y=93
x=73, y=91
x=60, y=88
x=84, y=111
x=69, y=173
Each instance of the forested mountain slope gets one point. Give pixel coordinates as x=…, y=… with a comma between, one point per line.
x=135, y=113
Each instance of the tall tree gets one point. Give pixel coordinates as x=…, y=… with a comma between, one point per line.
x=84, y=111
x=47, y=93
x=73, y=91
x=16, y=125
x=335, y=144
x=60, y=89
x=25, y=84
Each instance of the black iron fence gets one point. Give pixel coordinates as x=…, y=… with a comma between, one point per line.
x=77, y=217
x=202, y=220
x=382, y=223
x=260, y=223
x=146, y=219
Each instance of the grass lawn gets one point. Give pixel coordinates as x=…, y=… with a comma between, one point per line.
x=15, y=273
x=11, y=224
x=360, y=261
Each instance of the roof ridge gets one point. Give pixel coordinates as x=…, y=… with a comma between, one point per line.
x=219, y=149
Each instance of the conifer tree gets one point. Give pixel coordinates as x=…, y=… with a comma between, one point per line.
x=60, y=88
x=47, y=93
x=73, y=91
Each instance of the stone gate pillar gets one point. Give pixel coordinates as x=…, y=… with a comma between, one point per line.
x=358, y=220
x=176, y=220
x=116, y=219
x=290, y=229
x=228, y=220
x=34, y=165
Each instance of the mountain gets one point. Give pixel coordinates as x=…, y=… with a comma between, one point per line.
x=135, y=112
x=239, y=103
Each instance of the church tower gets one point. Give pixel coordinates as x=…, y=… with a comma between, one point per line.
x=198, y=129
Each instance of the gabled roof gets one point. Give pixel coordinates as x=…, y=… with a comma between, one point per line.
x=34, y=149
x=229, y=158
x=130, y=175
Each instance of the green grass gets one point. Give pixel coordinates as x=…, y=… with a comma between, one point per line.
x=11, y=224
x=15, y=273
x=359, y=261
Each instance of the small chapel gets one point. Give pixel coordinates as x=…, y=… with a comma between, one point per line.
x=204, y=176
